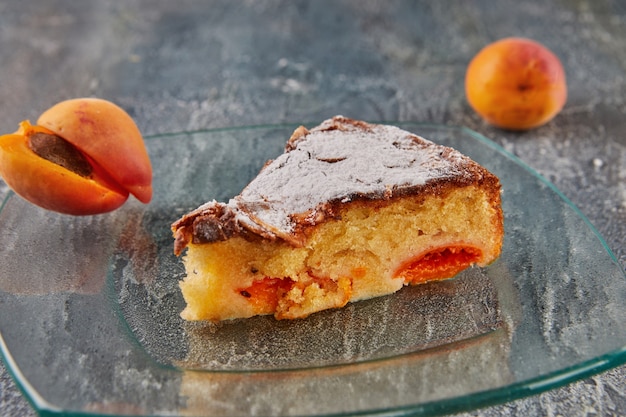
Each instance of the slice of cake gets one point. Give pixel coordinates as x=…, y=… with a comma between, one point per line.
x=350, y=211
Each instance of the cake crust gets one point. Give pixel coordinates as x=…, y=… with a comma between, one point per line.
x=284, y=205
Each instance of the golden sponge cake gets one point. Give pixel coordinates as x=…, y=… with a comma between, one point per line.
x=350, y=211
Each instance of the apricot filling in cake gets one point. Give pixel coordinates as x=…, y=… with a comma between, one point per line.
x=350, y=211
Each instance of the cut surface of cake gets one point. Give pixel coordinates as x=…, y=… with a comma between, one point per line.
x=350, y=211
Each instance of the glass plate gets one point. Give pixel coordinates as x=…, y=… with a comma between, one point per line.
x=89, y=306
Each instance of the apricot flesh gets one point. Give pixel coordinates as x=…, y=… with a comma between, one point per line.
x=437, y=263
x=84, y=157
x=516, y=84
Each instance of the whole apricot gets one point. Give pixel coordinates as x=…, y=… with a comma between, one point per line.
x=84, y=157
x=516, y=84
x=109, y=136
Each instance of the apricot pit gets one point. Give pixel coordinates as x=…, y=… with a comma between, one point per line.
x=84, y=156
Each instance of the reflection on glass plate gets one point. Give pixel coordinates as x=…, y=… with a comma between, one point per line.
x=89, y=306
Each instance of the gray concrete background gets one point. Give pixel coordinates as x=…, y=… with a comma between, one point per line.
x=189, y=65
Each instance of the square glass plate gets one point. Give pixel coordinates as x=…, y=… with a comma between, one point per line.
x=89, y=306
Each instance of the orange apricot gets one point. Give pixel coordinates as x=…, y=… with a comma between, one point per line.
x=84, y=157
x=516, y=84
x=107, y=134
x=72, y=186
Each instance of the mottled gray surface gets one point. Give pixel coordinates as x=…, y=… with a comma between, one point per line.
x=191, y=65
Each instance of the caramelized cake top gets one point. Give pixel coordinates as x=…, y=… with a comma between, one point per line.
x=338, y=162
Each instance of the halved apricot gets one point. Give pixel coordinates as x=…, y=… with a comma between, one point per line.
x=84, y=157
x=80, y=191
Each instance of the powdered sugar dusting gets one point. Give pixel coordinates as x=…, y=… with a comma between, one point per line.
x=338, y=161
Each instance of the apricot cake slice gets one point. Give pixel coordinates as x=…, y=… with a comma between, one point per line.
x=350, y=211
